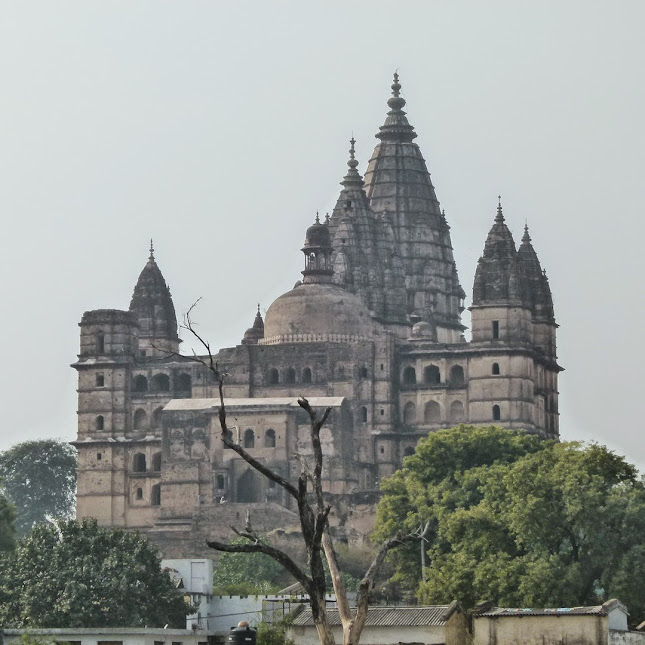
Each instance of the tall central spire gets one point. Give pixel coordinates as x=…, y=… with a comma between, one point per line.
x=400, y=191
x=396, y=126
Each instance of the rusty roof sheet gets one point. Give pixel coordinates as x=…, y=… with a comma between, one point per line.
x=596, y=610
x=433, y=615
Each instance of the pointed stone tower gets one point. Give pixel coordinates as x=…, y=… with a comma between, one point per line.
x=399, y=188
x=500, y=309
x=153, y=308
x=539, y=295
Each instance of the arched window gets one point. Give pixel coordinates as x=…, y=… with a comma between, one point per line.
x=139, y=494
x=139, y=420
x=409, y=413
x=409, y=376
x=139, y=463
x=290, y=376
x=248, y=487
x=249, y=438
x=497, y=415
x=140, y=383
x=457, y=411
x=457, y=375
x=156, y=462
x=431, y=375
x=184, y=382
x=432, y=412
x=362, y=373
x=269, y=438
x=306, y=375
x=274, y=376
x=495, y=369
x=156, y=418
x=363, y=414
x=100, y=342
x=155, y=495
x=100, y=422
x=161, y=383
x=409, y=451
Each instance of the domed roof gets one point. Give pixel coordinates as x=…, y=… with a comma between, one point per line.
x=317, y=312
x=317, y=235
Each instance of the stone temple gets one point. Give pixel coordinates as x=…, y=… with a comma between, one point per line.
x=373, y=330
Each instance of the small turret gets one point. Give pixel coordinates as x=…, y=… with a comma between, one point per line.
x=317, y=251
x=500, y=309
x=539, y=296
x=254, y=333
x=153, y=307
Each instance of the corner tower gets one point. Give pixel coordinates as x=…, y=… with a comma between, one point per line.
x=400, y=191
x=153, y=308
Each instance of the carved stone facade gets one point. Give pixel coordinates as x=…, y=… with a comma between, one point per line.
x=373, y=330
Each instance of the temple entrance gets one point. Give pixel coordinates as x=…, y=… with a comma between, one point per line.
x=249, y=488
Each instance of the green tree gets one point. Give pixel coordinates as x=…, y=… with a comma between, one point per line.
x=248, y=573
x=7, y=526
x=39, y=478
x=274, y=633
x=560, y=525
x=72, y=574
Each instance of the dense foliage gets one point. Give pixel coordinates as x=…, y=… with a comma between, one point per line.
x=72, y=574
x=248, y=573
x=39, y=478
x=7, y=528
x=520, y=522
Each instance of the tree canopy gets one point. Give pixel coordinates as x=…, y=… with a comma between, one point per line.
x=520, y=522
x=7, y=527
x=39, y=478
x=248, y=573
x=72, y=574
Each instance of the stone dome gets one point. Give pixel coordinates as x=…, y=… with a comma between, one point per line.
x=317, y=235
x=317, y=312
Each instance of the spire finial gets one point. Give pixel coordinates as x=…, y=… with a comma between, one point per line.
x=326, y=219
x=396, y=126
x=258, y=307
x=500, y=216
x=317, y=218
x=152, y=251
x=352, y=178
x=526, y=238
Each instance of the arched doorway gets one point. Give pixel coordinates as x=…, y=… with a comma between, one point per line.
x=248, y=488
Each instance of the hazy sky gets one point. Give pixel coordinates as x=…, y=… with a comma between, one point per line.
x=220, y=128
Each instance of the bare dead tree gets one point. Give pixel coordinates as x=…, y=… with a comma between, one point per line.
x=313, y=513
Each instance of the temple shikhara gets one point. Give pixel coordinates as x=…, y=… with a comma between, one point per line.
x=372, y=329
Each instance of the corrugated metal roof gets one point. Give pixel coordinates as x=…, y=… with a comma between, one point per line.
x=208, y=404
x=386, y=616
x=596, y=610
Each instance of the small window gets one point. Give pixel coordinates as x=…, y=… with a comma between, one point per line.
x=269, y=438
x=100, y=422
x=274, y=376
x=382, y=412
x=140, y=383
x=306, y=375
x=158, y=643
x=156, y=418
x=290, y=376
x=495, y=368
x=249, y=438
x=431, y=375
x=408, y=452
x=140, y=418
x=457, y=375
x=143, y=352
x=496, y=413
x=156, y=462
x=409, y=413
x=184, y=383
x=495, y=328
x=100, y=380
x=100, y=343
x=382, y=451
x=363, y=414
x=161, y=383
x=99, y=456
x=362, y=373
x=139, y=463
x=382, y=367
x=139, y=494
x=155, y=497
x=409, y=376
x=220, y=482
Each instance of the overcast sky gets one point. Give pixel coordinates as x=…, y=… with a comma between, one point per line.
x=219, y=129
